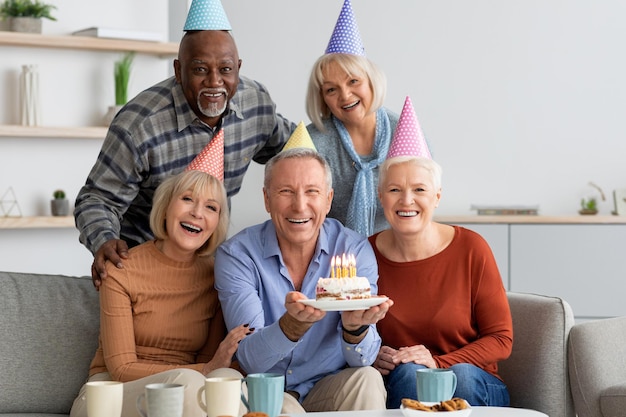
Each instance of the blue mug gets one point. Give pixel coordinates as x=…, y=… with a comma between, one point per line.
x=265, y=393
x=435, y=384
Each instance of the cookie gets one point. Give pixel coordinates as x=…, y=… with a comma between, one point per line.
x=255, y=414
x=415, y=405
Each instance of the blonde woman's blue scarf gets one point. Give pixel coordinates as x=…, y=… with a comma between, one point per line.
x=362, y=208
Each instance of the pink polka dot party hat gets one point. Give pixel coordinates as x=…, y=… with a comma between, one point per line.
x=408, y=139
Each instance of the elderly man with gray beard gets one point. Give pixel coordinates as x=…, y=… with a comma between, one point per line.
x=160, y=131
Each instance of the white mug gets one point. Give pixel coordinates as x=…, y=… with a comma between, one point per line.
x=162, y=400
x=222, y=396
x=105, y=398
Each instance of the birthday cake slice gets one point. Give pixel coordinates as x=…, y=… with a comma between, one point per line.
x=343, y=283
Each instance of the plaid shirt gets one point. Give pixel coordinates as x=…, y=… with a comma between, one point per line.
x=157, y=135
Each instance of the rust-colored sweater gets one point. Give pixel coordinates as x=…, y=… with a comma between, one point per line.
x=157, y=314
x=453, y=303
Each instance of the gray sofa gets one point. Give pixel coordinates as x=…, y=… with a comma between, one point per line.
x=49, y=327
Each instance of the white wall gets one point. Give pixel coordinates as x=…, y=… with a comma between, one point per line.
x=522, y=101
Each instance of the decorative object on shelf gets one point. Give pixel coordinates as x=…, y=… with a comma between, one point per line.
x=110, y=33
x=60, y=206
x=29, y=94
x=9, y=207
x=121, y=75
x=506, y=210
x=589, y=205
x=26, y=15
x=619, y=198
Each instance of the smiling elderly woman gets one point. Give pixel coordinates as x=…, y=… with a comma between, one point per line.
x=451, y=309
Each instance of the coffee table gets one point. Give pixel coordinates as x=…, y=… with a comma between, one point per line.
x=476, y=412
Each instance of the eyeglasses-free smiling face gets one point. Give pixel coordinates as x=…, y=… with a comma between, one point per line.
x=207, y=68
x=190, y=220
x=348, y=96
x=408, y=196
x=298, y=200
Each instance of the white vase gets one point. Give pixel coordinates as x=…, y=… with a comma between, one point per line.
x=29, y=93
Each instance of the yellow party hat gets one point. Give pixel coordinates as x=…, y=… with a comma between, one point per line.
x=300, y=138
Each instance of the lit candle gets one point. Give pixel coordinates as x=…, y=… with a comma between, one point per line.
x=332, y=267
x=352, y=266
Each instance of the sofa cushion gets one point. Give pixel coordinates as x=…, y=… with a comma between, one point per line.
x=49, y=326
x=613, y=400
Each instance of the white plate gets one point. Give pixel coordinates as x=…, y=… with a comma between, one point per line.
x=408, y=412
x=346, y=305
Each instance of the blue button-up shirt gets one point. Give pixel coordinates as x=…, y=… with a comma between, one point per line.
x=252, y=281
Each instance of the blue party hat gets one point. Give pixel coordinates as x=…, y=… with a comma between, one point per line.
x=207, y=15
x=346, y=38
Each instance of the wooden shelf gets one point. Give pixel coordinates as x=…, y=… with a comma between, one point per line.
x=47, y=222
x=87, y=132
x=36, y=40
x=574, y=219
x=44, y=222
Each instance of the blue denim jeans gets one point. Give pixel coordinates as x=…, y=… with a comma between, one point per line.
x=476, y=386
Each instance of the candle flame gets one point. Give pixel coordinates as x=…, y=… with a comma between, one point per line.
x=343, y=266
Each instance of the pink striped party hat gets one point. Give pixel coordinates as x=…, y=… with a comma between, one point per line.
x=211, y=157
x=346, y=38
x=408, y=139
x=206, y=15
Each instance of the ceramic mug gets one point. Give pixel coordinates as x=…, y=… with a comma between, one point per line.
x=265, y=393
x=221, y=396
x=162, y=400
x=104, y=398
x=435, y=385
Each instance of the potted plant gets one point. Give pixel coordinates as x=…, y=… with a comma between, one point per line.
x=26, y=15
x=588, y=206
x=121, y=75
x=59, y=206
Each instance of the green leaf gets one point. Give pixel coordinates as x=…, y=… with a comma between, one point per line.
x=122, y=76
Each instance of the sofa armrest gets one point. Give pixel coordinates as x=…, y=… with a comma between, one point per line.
x=597, y=365
x=536, y=372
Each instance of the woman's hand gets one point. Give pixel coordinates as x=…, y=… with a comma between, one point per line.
x=384, y=360
x=417, y=354
x=226, y=350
